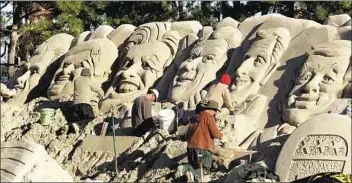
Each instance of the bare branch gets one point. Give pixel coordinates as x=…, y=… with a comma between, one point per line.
x=6, y=3
x=8, y=20
x=5, y=30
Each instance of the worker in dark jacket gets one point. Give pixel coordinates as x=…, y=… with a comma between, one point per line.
x=142, y=119
x=87, y=94
x=201, y=134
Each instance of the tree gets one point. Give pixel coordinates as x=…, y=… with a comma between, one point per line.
x=140, y=12
x=319, y=11
x=34, y=22
x=21, y=11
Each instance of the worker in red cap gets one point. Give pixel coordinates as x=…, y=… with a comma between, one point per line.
x=220, y=93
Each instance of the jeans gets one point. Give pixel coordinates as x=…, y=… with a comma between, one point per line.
x=145, y=126
x=83, y=111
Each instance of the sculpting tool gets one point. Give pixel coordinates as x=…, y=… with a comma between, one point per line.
x=114, y=139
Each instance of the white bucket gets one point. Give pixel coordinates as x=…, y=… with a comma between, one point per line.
x=166, y=118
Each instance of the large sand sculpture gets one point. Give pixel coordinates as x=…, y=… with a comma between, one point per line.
x=287, y=75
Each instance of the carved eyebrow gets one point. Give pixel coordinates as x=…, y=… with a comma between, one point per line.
x=260, y=56
x=153, y=63
x=335, y=69
x=197, y=50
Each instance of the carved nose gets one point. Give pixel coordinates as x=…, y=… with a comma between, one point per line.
x=128, y=74
x=67, y=70
x=242, y=71
x=189, y=66
x=246, y=65
x=313, y=85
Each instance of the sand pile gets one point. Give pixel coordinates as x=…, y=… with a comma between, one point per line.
x=154, y=157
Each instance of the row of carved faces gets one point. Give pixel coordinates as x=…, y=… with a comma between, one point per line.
x=321, y=78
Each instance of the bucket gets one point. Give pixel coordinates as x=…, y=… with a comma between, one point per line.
x=46, y=116
x=166, y=118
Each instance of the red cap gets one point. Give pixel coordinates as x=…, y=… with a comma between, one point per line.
x=225, y=79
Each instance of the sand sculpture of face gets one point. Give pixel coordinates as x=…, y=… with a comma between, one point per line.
x=259, y=62
x=33, y=77
x=97, y=55
x=206, y=58
x=149, y=32
x=320, y=80
x=143, y=65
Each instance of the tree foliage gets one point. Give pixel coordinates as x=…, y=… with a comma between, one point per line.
x=320, y=10
x=74, y=17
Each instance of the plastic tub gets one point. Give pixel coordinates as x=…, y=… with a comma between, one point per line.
x=166, y=118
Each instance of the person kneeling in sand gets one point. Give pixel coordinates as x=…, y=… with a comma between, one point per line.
x=142, y=119
x=201, y=134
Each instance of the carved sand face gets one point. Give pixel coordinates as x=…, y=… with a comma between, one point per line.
x=143, y=65
x=96, y=55
x=30, y=74
x=320, y=80
x=253, y=69
x=259, y=62
x=70, y=69
x=206, y=58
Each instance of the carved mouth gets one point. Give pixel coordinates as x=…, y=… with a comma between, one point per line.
x=308, y=101
x=64, y=78
x=20, y=87
x=185, y=78
x=307, y=97
x=126, y=87
x=242, y=82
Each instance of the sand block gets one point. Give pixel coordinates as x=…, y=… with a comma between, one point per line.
x=321, y=144
x=105, y=143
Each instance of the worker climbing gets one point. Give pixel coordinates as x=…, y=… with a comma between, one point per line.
x=221, y=94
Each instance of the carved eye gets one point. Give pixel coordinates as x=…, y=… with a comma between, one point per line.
x=208, y=58
x=66, y=65
x=304, y=77
x=78, y=65
x=35, y=70
x=193, y=56
x=146, y=66
x=258, y=62
x=327, y=79
x=128, y=63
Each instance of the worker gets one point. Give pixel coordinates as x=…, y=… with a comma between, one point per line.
x=142, y=119
x=201, y=134
x=6, y=92
x=86, y=94
x=220, y=93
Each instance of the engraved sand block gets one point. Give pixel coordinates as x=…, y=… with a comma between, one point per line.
x=321, y=144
